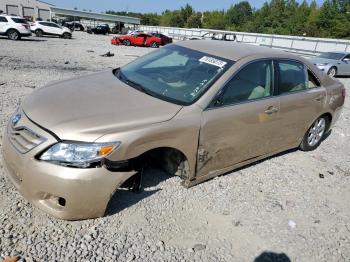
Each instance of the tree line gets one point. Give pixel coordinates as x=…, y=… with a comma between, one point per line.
x=284, y=17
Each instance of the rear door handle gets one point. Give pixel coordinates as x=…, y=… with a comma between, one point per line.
x=270, y=110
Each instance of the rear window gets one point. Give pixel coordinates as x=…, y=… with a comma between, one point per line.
x=19, y=20
x=3, y=19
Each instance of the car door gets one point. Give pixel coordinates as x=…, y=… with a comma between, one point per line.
x=45, y=26
x=344, y=66
x=139, y=39
x=301, y=100
x=56, y=29
x=3, y=24
x=242, y=122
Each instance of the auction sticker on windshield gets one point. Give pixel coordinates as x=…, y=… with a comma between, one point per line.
x=212, y=61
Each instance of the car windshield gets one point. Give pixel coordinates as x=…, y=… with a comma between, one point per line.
x=175, y=74
x=330, y=55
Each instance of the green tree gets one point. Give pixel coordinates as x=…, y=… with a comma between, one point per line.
x=194, y=21
x=238, y=14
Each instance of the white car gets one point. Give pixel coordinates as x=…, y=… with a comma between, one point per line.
x=14, y=27
x=41, y=28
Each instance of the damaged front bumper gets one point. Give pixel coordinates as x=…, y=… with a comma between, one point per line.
x=64, y=192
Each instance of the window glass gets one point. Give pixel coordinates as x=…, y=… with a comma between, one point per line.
x=19, y=20
x=3, y=19
x=347, y=57
x=292, y=77
x=252, y=82
x=53, y=25
x=312, y=80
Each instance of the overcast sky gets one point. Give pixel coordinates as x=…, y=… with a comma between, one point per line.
x=150, y=5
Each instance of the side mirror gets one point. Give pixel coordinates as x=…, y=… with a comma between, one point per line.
x=346, y=59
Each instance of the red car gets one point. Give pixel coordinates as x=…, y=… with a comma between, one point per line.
x=140, y=39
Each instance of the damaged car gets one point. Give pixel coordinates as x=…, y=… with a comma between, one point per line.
x=198, y=109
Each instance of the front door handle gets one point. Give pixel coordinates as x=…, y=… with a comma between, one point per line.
x=270, y=110
x=319, y=98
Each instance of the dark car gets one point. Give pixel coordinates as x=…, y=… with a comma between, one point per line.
x=99, y=30
x=74, y=26
x=164, y=39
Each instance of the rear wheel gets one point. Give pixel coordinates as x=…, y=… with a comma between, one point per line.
x=313, y=137
x=39, y=33
x=154, y=45
x=13, y=34
x=127, y=42
x=332, y=71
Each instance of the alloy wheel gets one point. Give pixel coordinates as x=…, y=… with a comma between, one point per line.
x=316, y=131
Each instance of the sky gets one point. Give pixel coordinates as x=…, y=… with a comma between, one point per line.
x=146, y=6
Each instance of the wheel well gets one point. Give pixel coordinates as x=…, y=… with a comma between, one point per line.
x=329, y=117
x=169, y=159
x=12, y=29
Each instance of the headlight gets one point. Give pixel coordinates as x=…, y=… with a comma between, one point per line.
x=322, y=64
x=78, y=154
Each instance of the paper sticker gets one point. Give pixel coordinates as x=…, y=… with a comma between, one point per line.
x=212, y=61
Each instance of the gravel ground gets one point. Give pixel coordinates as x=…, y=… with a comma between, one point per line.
x=281, y=205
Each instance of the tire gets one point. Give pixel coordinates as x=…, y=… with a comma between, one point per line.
x=66, y=36
x=39, y=33
x=154, y=45
x=332, y=71
x=127, y=42
x=315, y=134
x=13, y=34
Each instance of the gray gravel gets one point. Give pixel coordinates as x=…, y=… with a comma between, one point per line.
x=280, y=205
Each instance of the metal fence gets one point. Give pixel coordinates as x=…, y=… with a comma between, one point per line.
x=304, y=45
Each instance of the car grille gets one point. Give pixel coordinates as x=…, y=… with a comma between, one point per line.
x=24, y=139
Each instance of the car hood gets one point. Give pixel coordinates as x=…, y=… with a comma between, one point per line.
x=318, y=60
x=86, y=108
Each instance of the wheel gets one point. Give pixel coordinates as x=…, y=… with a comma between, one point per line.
x=332, y=71
x=313, y=137
x=66, y=35
x=154, y=45
x=39, y=33
x=13, y=34
x=127, y=42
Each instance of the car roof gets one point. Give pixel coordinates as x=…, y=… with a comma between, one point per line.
x=234, y=50
x=337, y=52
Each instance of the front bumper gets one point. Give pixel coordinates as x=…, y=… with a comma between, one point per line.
x=66, y=193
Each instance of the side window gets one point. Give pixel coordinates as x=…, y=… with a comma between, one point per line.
x=3, y=19
x=346, y=58
x=252, y=82
x=312, y=80
x=292, y=77
x=54, y=25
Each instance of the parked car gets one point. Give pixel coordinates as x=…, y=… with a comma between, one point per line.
x=333, y=63
x=14, y=27
x=214, y=36
x=164, y=38
x=74, y=26
x=140, y=39
x=99, y=30
x=41, y=28
x=197, y=108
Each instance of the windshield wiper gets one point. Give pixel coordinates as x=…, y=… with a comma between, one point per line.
x=136, y=85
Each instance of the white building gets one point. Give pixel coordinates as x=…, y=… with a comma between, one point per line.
x=27, y=8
